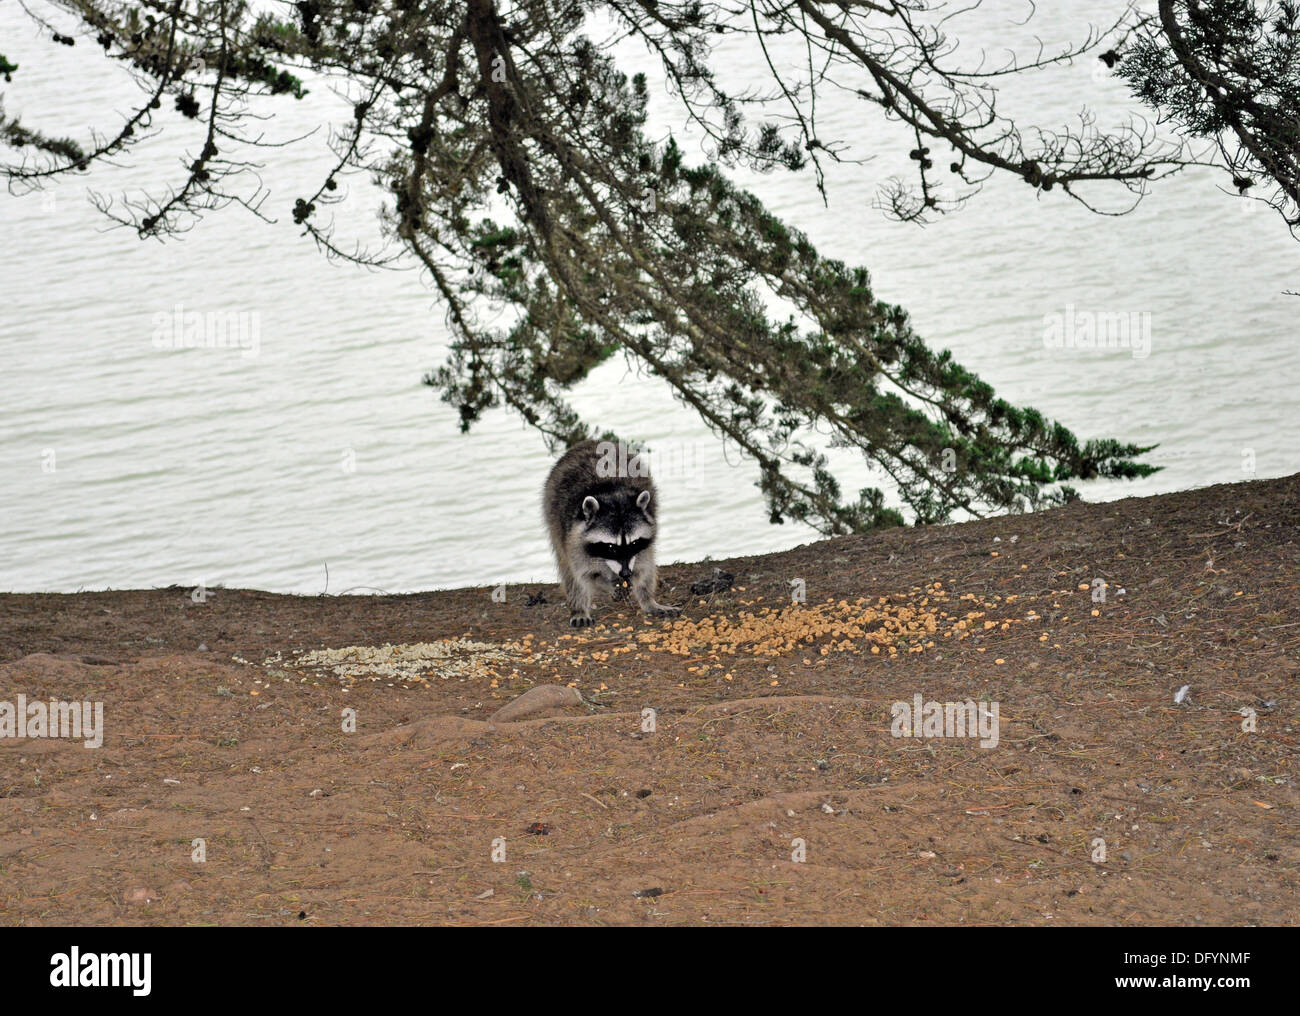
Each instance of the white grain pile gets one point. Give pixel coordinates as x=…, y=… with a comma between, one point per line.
x=415, y=661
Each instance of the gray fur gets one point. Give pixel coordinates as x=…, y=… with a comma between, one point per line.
x=585, y=511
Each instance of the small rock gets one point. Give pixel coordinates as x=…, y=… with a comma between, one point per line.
x=541, y=699
x=140, y=896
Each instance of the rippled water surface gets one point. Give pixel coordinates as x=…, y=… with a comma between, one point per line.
x=126, y=465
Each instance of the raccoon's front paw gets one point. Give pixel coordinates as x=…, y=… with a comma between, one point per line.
x=659, y=610
x=580, y=621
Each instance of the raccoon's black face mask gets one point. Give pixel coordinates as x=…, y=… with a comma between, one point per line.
x=621, y=554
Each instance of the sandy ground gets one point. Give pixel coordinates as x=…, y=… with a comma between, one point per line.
x=230, y=787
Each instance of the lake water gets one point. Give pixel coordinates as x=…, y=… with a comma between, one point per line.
x=125, y=465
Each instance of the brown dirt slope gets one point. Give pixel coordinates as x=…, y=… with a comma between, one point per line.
x=772, y=734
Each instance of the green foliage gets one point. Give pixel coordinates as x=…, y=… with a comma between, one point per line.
x=1228, y=71
x=685, y=289
x=559, y=236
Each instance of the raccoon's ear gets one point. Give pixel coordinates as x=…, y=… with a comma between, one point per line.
x=589, y=507
x=643, y=502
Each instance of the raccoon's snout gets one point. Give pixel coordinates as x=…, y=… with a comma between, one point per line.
x=622, y=569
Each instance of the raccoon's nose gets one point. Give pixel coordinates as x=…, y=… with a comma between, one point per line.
x=625, y=573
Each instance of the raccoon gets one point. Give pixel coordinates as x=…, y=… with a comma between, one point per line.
x=602, y=526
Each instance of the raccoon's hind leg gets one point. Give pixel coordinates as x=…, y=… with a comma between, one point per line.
x=644, y=580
